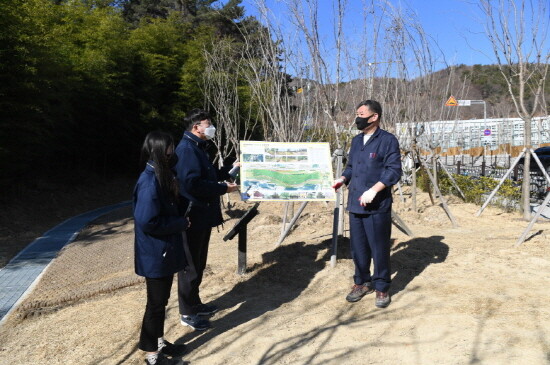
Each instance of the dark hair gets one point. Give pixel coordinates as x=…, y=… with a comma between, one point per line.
x=373, y=106
x=195, y=116
x=154, y=151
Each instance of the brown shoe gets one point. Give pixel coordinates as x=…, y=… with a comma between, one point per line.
x=358, y=291
x=382, y=299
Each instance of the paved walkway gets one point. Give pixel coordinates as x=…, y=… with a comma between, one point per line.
x=23, y=270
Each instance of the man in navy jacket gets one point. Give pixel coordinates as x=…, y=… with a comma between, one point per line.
x=200, y=185
x=374, y=165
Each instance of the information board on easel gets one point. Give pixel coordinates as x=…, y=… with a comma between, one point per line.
x=286, y=171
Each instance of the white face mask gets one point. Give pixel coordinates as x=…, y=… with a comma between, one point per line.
x=209, y=132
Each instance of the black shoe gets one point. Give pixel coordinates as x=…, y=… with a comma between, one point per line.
x=173, y=350
x=358, y=291
x=195, y=322
x=163, y=360
x=205, y=309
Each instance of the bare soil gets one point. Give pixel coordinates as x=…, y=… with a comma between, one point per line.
x=459, y=295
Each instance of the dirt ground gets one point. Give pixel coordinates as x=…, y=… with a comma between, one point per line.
x=461, y=295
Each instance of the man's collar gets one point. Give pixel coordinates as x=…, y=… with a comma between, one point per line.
x=375, y=133
x=194, y=138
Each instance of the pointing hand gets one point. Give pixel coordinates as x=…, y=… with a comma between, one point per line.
x=338, y=183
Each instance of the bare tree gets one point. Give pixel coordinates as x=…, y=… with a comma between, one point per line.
x=518, y=31
x=326, y=91
x=387, y=57
x=224, y=69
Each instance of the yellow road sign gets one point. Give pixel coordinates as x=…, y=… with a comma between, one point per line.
x=451, y=102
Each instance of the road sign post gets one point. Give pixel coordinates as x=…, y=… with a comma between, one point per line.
x=452, y=101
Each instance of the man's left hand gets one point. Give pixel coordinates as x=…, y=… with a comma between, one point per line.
x=231, y=187
x=367, y=197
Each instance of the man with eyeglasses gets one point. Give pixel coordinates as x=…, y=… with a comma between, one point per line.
x=200, y=187
x=373, y=167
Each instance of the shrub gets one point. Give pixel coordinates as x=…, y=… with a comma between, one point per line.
x=475, y=188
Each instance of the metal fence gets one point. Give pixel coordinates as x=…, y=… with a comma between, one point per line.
x=539, y=185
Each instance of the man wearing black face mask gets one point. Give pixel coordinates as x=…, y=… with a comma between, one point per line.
x=374, y=165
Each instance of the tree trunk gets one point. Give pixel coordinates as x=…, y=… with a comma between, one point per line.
x=525, y=187
x=434, y=168
x=414, y=179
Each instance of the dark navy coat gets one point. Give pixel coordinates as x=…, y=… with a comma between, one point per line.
x=199, y=182
x=378, y=160
x=159, y=230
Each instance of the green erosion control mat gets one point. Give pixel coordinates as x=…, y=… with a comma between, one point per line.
x=100, y=260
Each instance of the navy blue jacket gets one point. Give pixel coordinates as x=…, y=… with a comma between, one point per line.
x=378, y=160
x=199, y=182
x=159, y=230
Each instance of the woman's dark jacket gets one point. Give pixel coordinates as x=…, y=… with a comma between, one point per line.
x=159, y=230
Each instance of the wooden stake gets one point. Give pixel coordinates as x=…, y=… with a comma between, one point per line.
x=414, y=185
x=443, y=202
x=285, y=215
x=291, y=224
x=500, y=183
x=400, y=224
x=522, y=238
x=400, y=192
x=451, y=177
x=540, y=165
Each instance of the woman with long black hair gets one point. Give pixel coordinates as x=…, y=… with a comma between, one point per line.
x=159, y=240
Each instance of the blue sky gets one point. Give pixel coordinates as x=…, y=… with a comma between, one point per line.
x=455, y=26
x=452, y=23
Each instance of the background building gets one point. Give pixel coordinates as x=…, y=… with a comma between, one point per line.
x=498, y=139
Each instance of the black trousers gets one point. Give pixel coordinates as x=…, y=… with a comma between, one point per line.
x=158, y=293
x=190, y=279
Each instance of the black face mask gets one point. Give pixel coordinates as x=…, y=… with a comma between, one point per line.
x=172, y=160
x=363, y=123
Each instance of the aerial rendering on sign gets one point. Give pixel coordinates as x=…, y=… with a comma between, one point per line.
x=282, y=171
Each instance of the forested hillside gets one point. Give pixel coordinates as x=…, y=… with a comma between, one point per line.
x=485, y=82
x=82, y=82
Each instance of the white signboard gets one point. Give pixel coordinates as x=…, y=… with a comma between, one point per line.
x=285, y=171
